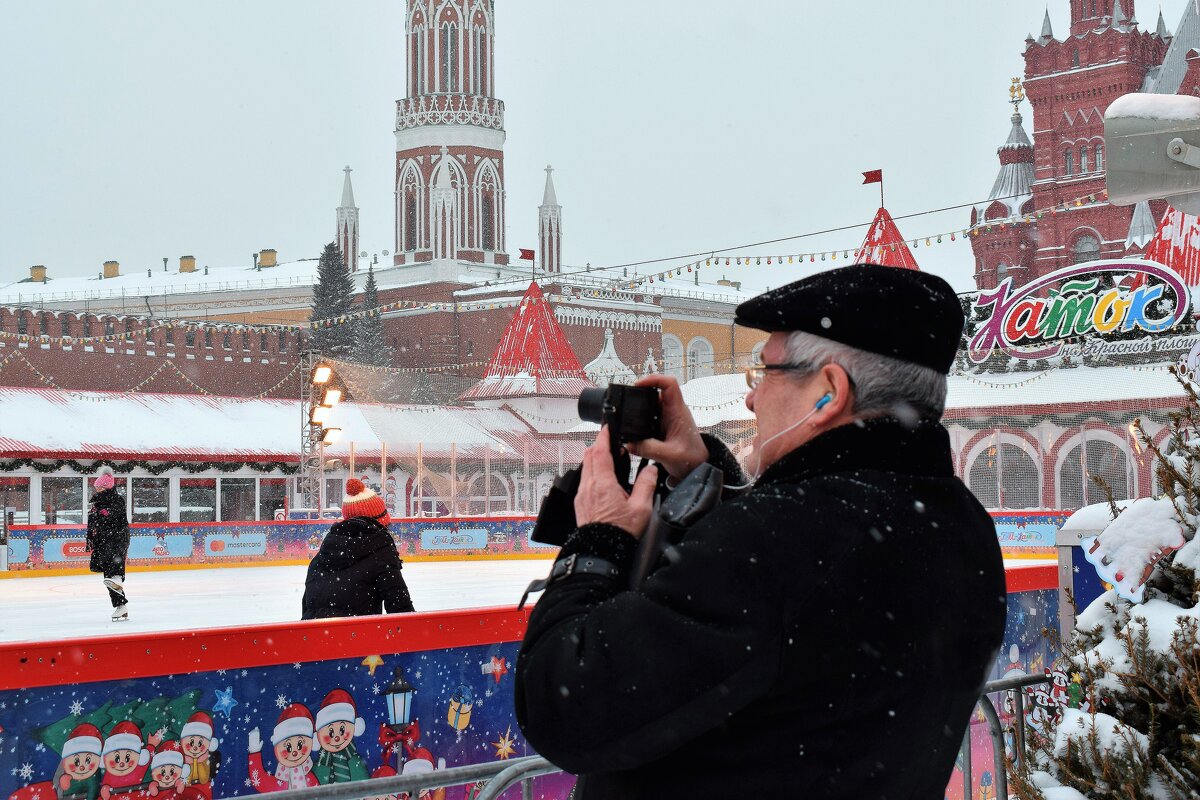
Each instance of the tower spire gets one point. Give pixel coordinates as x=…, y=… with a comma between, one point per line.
x=347, y=225
x=1119, y=20
x=1047, y=30
x=1162, y=31
x=550, y=227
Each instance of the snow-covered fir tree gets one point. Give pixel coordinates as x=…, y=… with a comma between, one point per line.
x=333, y=298
x=370, y=346
x=1132, y=730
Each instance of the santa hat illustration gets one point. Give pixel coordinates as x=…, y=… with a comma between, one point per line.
x=295, y=720
x=170, y=754
x=84, y=739
x=338, y=706
x=419, y=760
x=200, y=724
x=126, y=736
x=360, y=501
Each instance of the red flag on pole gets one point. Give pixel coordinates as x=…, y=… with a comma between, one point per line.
x=873, y=176
x=526, y=255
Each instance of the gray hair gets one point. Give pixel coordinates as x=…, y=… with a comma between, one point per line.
x=883, y=386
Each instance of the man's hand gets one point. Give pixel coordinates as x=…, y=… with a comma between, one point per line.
x=600, y=497
x=682, y=449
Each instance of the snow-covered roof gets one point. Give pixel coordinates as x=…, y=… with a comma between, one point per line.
x=40, y=423
x=533, y=358
x=135, y=282
x=884, y=245
x=721, y=398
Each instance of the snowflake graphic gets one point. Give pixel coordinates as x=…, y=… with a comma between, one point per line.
x=479, y=702
x=248, y=782
x=77, y=708
x=26, y=771
x=222, y=671
x=281, y=702
x=417, y=674
x=39, y=747
x=245, y=673
x=246, y=719
x=296, y=665
x=375, y=688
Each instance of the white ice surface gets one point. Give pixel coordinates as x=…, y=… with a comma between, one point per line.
x=76, y=606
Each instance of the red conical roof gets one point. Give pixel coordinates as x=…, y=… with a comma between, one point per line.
x=1177, y=245
x=533, y=359
x=884, y=245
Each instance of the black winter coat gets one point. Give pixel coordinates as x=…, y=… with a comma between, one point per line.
x=356, y=573
x=823, y=635
x=107, y=533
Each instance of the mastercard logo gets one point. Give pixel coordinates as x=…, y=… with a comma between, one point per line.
x=216, y=545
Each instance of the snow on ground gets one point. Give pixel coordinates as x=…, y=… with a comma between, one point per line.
x=72, y=606
x=75, y=606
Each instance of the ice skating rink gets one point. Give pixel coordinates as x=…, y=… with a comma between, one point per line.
x=77, y=606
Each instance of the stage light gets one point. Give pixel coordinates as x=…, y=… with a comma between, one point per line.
x=331, y=436
x=320, y=415
x=332, y=398
x=322, y=374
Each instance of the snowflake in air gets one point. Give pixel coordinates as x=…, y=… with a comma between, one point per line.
x=77, y=708
x=39, y=747
x=26, y=771
x=281, y=702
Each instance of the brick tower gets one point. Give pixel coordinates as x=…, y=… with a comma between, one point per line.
x=450, y=139
x=1069, y=84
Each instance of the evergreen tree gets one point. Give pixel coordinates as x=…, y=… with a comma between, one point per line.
x=370, y=346
x=1133, y=728
x=333, y=298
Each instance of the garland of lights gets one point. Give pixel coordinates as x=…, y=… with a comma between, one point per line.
x=45, y=467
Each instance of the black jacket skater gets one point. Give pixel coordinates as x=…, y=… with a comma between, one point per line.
x=107, y=533
x=356, y=573
x=822, y=635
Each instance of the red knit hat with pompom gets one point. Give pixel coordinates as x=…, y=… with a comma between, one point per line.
x=360, y=501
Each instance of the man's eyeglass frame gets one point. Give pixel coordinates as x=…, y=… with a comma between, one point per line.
x=756, y=372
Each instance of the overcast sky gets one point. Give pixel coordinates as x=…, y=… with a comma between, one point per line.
x=134, y=130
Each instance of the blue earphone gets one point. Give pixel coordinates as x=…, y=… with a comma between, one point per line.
x=824, y=401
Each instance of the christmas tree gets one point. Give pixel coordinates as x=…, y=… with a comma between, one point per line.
x=333, y=300
x=370, y=347
x=1135, y=731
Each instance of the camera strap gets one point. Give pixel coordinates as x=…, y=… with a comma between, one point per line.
x=574, y=564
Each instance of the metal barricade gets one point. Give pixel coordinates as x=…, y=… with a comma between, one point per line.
x=996, y=730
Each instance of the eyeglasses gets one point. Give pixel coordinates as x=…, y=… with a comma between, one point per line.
x=756, y=372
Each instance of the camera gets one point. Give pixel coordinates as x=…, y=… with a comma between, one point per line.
x=632, y=413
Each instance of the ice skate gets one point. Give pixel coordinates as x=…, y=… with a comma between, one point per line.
x=121, y=612
x=115, y=585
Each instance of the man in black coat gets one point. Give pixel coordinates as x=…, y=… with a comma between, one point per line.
x=357, y=570
x=108, y=540
x=824, y=634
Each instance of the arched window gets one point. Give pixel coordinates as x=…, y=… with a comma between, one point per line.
x=449, y=57
x=1099, y=157
x=1005, y=477
x=1105, y=460
x=1083, y=160
x=1068, y=162
x=1075, y=57
x=208, y=338
x=66, y=327
x=1086, y=248
x=87, y=326
x=487, y=210
x=481, y=55
x=699, y=358
x=409, y=200
x=672, y=350
x=43, y=324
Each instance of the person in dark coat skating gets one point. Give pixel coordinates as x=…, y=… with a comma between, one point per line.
x=825, y=631
x=108, y=540
x=357, y=570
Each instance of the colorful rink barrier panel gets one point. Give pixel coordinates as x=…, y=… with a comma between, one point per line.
x=34, y=548
x=213, y=713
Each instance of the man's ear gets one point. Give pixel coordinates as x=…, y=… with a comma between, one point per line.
x=836, y=383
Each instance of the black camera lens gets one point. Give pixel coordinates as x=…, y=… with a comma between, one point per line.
x=591, y=405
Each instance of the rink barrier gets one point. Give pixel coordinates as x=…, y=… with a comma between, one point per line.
x=61, y=549
x=36, y=550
